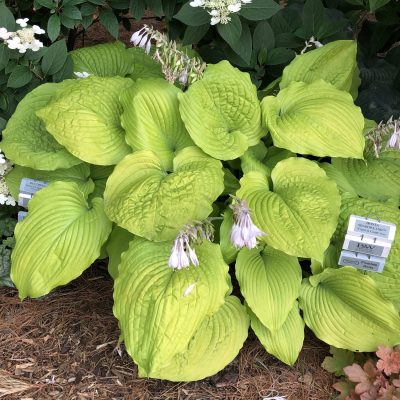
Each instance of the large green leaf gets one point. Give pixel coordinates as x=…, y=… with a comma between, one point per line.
x=144, y=66
x=300, y=215
x=389, y=280
x=78, y=174
x=270, y=282
x=60, y=237
x=334, y=63
x=221, y=112
x=376, y=178
x=118, y=243
x=215, y=344
x=109, y=59
x=346, y=309
x=285, y=343
x=229, y=251
x=85, y=118
x=315, y=118
x=25, y=139
x=159, y=309
x=143, y=198
x=152, y=121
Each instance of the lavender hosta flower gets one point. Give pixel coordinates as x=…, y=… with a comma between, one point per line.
x=182, y=255
x=394, y=140
x=244, y=232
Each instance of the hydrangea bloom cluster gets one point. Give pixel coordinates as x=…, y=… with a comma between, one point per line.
x=388, y=132
x=5, y=196
x=24, y=38
x=244, y=232
x=220, y=9
x=176, y=65
x=182, y=254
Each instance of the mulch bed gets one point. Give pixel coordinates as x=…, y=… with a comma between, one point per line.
x=64, y=346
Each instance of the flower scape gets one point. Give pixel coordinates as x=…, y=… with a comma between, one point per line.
x=178, y=173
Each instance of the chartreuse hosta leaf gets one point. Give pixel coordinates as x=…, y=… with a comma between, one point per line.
x=215, y=344
x=152, y=121
x=285, y=343
x=270, y=282
x=117, y=243
x=389, y=280
x=80, y=174
x=144, y=66
x=159, y=309
x=85, y=118
x=25, y=139
x=222, y=112
x=375, y=178
x=99, y=174
x=300, y=215
x=108, y=59
x=324, y=63
x=229, y=252
x=143, y=198
x=345, y=309
x=315, y=118
x=60, y=237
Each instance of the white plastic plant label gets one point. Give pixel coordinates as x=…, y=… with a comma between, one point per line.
x=362, y=261
x=22, y=215
x=27, y=189
x=367, y=245
x=372, y=227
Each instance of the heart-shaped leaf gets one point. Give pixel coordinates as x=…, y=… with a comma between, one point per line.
x=300, y=215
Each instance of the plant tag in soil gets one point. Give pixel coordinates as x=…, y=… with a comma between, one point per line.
x=361, y=261
x=372, y=227
x=22, y=215
x=367, y=245
x=27, y=189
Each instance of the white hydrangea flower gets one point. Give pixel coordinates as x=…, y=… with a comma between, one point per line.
x=5, y=168
x=244, y=232
x=23, y=39
x=83, y=74
x=22, y=22
x=220, y=10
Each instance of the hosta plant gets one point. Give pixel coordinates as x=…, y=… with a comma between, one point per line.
x=176, y=182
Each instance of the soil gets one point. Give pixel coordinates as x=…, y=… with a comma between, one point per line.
x=65, y=346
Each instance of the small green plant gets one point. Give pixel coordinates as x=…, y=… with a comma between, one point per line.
x=366, y=377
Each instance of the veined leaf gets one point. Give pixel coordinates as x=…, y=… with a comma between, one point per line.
x=118, y=243
x=159, y=309
x=300, y=215
x=286, y=343
x=345, y=309
x=270, y=282
x=85, y=118
x=152, y=121
x=315, y=118
x=25, y=139
x=109, y=59
x=144, y=66
x=60, y=237
x=376, y=179
x=222, y=113
x=229, y=252
x=143, y=198
x=324, y=63
x=215, y=344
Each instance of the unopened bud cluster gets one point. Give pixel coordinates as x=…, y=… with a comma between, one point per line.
x=5, y=168
x=176, y=65
x=385, y=135
x=23, y=39
x=220, y=10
